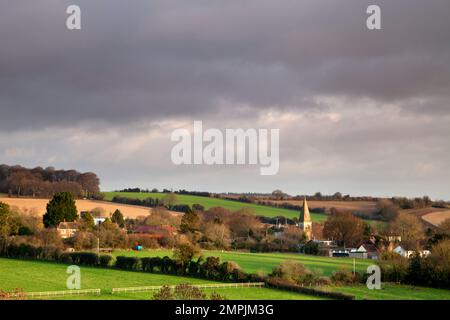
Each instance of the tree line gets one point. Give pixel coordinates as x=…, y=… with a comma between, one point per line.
x=40, y=182
x=155, y=190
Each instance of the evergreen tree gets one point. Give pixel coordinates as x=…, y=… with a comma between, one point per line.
x=60, y=208
x=117, y=217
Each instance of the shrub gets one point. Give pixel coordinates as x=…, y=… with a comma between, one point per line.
x=311, y=248
x=88, y=258
x=127, y=263
x=184, y=292
x=343, y=277
x=282, y=284
x=65, y=257
x=16, y=294
x=104, y=260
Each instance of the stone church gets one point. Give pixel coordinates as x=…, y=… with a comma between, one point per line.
x=304, y=221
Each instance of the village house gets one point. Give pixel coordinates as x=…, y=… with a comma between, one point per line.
x=340, y=253
x=67, y=229
x=99, y=220
x=365, y=251
x=408, y=252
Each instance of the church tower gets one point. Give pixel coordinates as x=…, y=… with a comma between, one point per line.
x=304, y=222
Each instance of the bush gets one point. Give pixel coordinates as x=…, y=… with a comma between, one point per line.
x=311, y=248
x=127, y=263
x=16, y=294
x=282, y=284
x=343, y=277
x=65, y=257
x=104, y=260
x=84, y=258
x=184, y=292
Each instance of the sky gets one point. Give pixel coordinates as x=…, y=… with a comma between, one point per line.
x=362, y=112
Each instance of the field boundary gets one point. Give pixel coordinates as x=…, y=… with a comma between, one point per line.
x=61, y=293
x=199, y=286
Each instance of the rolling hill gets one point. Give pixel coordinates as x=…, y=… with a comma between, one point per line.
x=39, y=206
x=215, y=202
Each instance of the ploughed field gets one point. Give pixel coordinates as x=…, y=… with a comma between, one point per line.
x=40, y=205
x=231, y=205
x=434, y=216
x=352, y=206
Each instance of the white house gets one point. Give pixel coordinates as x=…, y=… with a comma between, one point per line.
x=67, y=229
x=365, y=251
x=339, y=253
x=409, y=252
x=98, y=220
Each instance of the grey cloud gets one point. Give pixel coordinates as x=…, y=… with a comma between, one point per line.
x=137, y=64
x=158, y=59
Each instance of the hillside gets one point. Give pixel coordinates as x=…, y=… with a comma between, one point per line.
x=215, y=202
x=254, y=262
x=358, y=206
x=39, y=206
x=433, y=216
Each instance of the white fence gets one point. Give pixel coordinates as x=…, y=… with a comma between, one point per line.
x=200, y=286
x=61, y=293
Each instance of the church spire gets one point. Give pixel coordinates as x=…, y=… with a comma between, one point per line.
x=304, y=212
x=305, y=222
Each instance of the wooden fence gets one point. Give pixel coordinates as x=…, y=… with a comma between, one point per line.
x=96, y=292
x=200, y=286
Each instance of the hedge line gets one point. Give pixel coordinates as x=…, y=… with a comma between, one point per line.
x=278, y=284
x=27, y=251
x=151, y=203
x=210, y=268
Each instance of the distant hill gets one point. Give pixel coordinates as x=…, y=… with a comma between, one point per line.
x=209, y=202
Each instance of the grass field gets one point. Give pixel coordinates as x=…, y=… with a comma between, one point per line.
x=390, y=291
x=230, y=294
x=253, y=262
x=33, y=276
x=214, y=202
x=36, y=276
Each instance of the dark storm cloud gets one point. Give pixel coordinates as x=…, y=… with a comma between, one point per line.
x=159, y=59
x=361, y=112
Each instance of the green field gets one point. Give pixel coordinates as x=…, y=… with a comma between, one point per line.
x=37, y=276
x=260, y=210
x=230, y=294
x=33, y=276
x=391, y=291
x=254, y=262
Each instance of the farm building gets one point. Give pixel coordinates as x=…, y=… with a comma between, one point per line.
x=67, y=229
